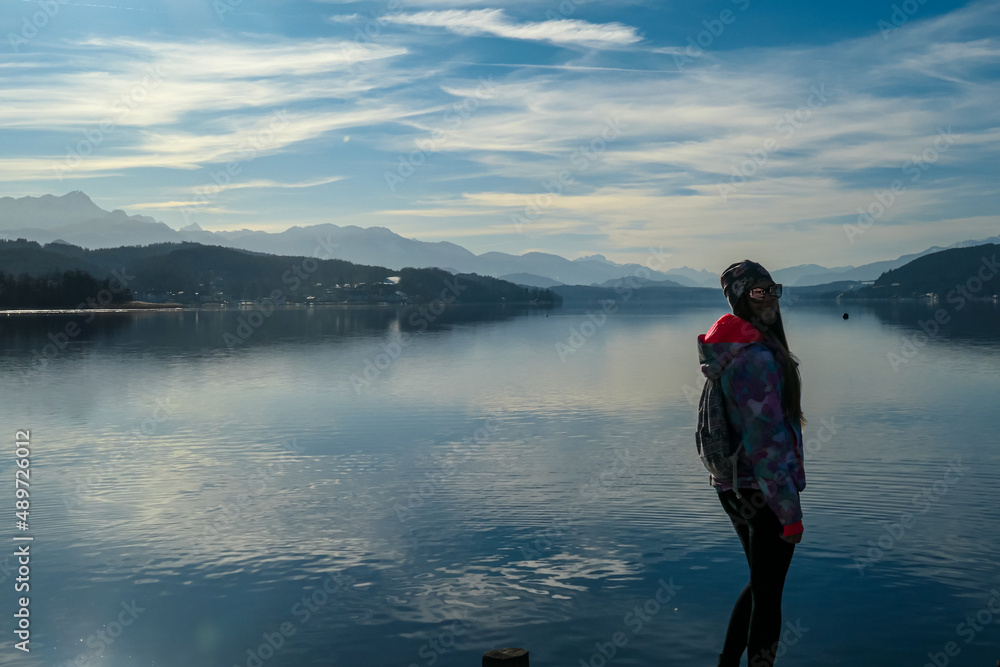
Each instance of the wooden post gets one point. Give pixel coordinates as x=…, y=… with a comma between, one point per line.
x=506, y=657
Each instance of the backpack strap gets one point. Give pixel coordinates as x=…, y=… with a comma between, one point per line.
x=736, y=487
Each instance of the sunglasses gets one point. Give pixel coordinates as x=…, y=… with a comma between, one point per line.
x=758, y=293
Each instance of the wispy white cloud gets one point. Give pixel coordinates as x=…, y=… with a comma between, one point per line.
x=682, y=132
x=267, y=183
x=134, y=103
x=434, y=212
x=563, y=32
x=844, y=119
x=165, y=205
x=147, y=83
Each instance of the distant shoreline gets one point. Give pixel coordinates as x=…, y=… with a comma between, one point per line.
x=571, y=303
x=147, y=306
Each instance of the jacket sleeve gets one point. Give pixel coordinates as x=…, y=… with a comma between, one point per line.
x=753, y=387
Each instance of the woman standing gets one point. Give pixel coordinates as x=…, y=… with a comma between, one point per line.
x=761, y=387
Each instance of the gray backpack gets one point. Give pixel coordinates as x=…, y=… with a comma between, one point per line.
x=718, y=446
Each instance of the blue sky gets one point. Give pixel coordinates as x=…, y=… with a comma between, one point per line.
x=714, y=130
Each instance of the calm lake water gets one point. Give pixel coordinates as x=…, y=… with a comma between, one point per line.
x=356, y=487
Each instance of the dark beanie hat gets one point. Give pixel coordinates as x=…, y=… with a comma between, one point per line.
x=738, y=278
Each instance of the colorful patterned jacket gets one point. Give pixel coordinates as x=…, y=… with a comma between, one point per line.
x=752, y=382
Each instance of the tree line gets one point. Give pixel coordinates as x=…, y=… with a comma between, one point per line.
x=66, y=289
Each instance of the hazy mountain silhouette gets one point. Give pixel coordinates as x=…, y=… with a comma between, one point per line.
x=47, y=211
x=75, y=219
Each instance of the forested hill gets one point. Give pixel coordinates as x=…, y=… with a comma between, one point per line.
x=192, y=273
x=967, y=273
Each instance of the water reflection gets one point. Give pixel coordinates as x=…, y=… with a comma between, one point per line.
x=481, y=478
x=951, y=322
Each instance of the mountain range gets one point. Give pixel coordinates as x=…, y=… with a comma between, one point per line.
x=58, y=275
x=75, y=219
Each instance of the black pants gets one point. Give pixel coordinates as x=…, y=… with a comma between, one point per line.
x=755, y=624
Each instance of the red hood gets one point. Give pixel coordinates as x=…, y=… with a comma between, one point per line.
x=731, y=329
